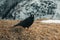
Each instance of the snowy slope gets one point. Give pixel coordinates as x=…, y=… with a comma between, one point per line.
x=36, y=7
x=33, y=7
x=50, y=21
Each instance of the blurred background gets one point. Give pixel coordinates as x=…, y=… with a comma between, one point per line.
x=21, y=9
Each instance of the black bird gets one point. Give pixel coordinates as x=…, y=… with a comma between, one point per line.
x=27, y=22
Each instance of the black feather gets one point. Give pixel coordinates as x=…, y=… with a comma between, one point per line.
x=27, y=22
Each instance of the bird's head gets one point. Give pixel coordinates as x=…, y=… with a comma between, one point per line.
x=32, y=15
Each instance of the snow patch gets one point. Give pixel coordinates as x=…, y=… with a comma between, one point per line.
x=50, y=21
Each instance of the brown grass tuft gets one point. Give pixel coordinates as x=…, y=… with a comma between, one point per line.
x=38, y=31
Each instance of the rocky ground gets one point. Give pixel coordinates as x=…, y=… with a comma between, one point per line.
x=38, y=31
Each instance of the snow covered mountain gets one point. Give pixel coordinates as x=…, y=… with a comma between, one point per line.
x=40, y=8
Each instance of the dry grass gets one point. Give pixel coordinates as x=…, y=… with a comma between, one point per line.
x=38, y=31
